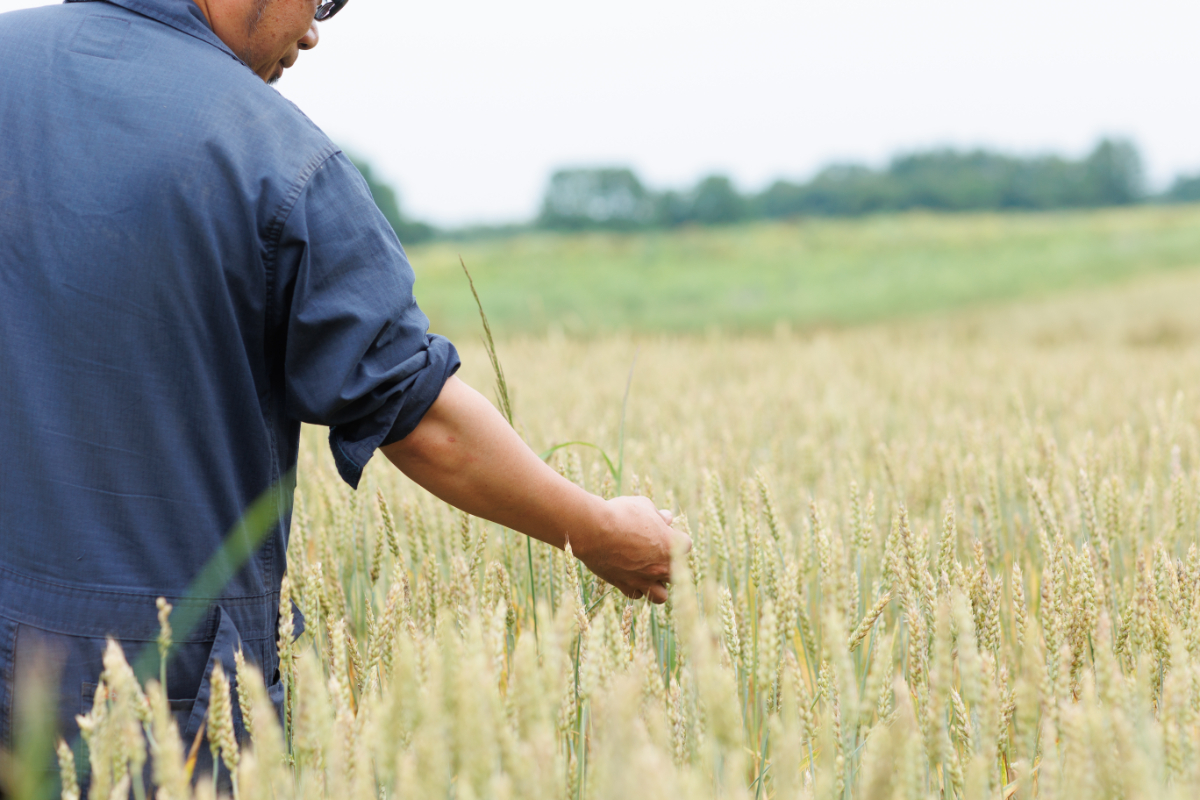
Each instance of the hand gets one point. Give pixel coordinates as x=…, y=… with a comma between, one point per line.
x=465, y=453
x=632, y=551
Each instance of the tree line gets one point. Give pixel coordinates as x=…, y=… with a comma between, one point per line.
x=948, y=180
x=934, y=180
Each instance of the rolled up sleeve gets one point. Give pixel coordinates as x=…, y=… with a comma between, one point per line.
x=358, y=356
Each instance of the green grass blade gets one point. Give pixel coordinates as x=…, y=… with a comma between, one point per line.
x=489, y=344
x=612, y=470
x=624, y=407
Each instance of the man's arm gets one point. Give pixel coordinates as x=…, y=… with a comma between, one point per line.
x=464, y=452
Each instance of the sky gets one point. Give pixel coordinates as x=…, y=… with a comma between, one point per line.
x=467, y=106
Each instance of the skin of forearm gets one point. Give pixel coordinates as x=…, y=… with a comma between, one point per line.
x=465, y=453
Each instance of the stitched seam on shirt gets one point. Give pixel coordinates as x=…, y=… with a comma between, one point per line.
x=264, y=635
x=201, y=632
x=10, y=679
x=271, y=257
x=271, y=268
x=73, y=588
x=346, y=455
x=279, y=221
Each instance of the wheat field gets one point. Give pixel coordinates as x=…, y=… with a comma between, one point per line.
x=953, y=558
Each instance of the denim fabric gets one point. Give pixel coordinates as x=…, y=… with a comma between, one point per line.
x=189, y=269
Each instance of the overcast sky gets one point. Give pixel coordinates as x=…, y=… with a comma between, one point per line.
x=468, y=105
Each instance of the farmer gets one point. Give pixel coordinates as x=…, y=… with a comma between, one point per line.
x=190, y=269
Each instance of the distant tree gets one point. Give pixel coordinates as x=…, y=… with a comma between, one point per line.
x=715, y=201
x=939, y=180
x=1186, y=189
x=849, y=190
x=407, y=231
x=780, y=199
x=1113, y=174
x=952, y=180
x=712, y=201
x=672, y=209
x=949, y=180
x=837, y=190
x=612, y=198
x=1045, y=182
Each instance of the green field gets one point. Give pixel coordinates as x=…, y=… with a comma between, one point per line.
x=813, y=273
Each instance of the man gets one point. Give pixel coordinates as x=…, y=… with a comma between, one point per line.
x=190, y=269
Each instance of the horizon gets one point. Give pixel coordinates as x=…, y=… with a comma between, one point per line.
x=1150, y=193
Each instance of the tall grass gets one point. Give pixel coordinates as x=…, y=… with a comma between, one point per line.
x=925, y=565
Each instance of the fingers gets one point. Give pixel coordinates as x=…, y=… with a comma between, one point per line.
x=657, y=594
x=681, y=543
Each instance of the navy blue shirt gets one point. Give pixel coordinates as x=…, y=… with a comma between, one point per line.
x=189, y=269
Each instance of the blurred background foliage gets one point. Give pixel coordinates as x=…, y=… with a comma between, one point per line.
x=931, y=231
x=935, y=180
x=614, y=198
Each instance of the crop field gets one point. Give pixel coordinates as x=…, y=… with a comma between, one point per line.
x=805, y=274
x=951, y=557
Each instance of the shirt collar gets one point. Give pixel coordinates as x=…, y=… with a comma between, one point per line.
x=182, y=15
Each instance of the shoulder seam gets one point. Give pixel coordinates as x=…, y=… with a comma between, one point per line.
x=280, y=218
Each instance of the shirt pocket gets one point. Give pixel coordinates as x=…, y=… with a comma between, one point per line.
x=76, y=663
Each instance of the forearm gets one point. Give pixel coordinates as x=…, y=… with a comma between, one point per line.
x=465, y=453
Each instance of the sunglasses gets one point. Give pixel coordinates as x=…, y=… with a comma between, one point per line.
x=328, y=9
